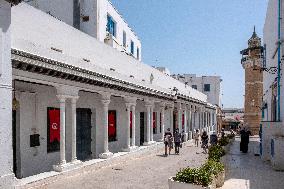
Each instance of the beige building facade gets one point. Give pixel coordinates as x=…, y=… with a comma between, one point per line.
x=252, y=59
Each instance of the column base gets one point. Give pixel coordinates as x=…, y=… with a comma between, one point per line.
x=148, y=143
x=185, y=137
x=130, y=149
x=7, y=181
x=67, y=166
x=106, y=155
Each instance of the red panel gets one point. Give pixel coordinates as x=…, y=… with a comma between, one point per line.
x=54, y=125
x=111, y=124
x=154, y=119
x=130, y=119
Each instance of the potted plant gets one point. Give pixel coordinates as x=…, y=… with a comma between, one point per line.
x=217, y=169
x=215, y=152
x=192, y=178
x=224, y=141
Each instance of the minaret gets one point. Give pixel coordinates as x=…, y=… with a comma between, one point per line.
x=252, y=59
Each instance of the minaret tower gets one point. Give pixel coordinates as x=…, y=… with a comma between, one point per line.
x=252, y=59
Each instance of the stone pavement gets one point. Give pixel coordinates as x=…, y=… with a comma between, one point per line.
x=247, y=171
x=150, y=171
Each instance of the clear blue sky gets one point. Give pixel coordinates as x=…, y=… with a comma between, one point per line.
x=197, y=36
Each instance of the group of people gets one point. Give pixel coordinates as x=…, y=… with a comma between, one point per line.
x=205, y=139
x=173, y=140
x=176, y=139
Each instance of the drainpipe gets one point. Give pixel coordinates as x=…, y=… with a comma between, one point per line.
x=279, y=58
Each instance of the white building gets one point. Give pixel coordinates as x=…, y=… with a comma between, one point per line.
x=98, y=18
x=76, y=99
x=272, y=132
x=234, y=113
x=209, y=85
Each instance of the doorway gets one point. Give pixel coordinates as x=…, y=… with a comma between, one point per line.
x=142, y=126
x=83, y=133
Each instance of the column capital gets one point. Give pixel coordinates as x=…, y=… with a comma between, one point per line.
x=61, y=98
x=105, y=95
x=74, y=99
x=131, y=100
x=162, y=104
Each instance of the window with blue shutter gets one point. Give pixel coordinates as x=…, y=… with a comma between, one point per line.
x=111, y=25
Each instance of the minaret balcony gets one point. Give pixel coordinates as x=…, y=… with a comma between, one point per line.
x=251, y=62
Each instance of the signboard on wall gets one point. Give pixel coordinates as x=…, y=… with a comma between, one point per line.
x=53, y=129
x=111, y=125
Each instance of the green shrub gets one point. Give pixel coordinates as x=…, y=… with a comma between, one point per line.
x=215, y=152
x=213, y=167
x=231, y=136
x=223, y=141
x=198, y=176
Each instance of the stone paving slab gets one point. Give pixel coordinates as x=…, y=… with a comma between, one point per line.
x=150, y=171
x=247, y=171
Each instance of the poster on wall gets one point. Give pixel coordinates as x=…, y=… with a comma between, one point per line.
x=111, y=125
x=53, y=129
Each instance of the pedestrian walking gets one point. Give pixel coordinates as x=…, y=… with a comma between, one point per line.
x=168, y=141
x=245, y=133
x=213, y=139
x=204, y=140
x=196, y=136
x=177, y=140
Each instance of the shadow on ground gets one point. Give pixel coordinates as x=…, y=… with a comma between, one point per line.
x=248, y=171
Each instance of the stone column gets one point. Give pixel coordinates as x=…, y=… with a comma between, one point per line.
x=162, y=119
x=185, y=123
x=74, y=122
x=151, y=124
x=179, y=116
x=62, y=100
x=133, y=125
x=148, y=109
x=128, y=105
x=6, y=149
x=105, y=102
x=171, y=109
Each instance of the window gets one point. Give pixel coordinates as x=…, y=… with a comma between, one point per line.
x=111, y=25
x=132, y=47
x=111, y=125
x=206, y=87
x=194, y=86
x=124, y=38
x=138, y=53
x=154, y=122
x=53, y=129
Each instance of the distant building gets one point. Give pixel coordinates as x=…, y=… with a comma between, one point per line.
x=97, y=18
x=234, y=113
x=209, y=85
x=252, y=58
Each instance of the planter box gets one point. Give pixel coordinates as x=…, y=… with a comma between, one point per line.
x=220, y=179
x=180, y=185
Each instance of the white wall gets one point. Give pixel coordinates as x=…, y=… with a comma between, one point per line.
x=6, y=161
x=105, y=7
x=214, y=95
x=270, y=38
x=97, y=11
x=61, y=9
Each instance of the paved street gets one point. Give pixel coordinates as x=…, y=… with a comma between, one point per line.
x=247, y=171
x=151, y=171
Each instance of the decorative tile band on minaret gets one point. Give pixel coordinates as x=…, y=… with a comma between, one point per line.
x=252, y=60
